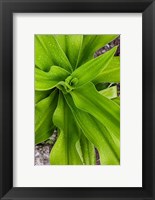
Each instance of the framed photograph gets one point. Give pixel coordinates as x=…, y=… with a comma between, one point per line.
x=77, y=99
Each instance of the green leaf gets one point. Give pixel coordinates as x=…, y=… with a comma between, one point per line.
x=103, y=140
x=43, y=58
x=85, y=118
x=111, y=73
x=109, y=93
x=39, y=95
x=92, y=43
x=48, y=52
x=101, y=86
x=117, y=100
x=61, y=39
x=48, y=80
x=86, y=151
x=73, y=46
x=43, y=117
x=64, y=151
x=87, y=98
x=91, y=69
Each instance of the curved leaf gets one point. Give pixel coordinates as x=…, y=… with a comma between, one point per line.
x=73, y=46
x=48, y=80
x=109, y=93
x=43, y=58
x=64, y=151
x=111, y=73
x=92, y=43
x=87, y=98
x=43, y=117
x=39, y=95
x=91, y=69
x=117, y=100
x=85, y=118
x=102, y=139
x=48, y=52
x=61, y=39
x=86, y=151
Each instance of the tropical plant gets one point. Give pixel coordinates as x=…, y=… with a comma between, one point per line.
x=74, y=97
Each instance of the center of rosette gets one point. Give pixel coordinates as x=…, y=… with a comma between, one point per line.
x=68, y=85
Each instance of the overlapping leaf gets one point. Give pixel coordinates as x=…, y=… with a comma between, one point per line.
x=91, y=43
x=85, y=118
x=111, y=73
x=49, y=52
x=109, y=93
x=43, y=117
x=48, y=80
x=86, y=150
x=106, y=111
x=117, y=100
x=39, y=95
x=73, y=47
x=97, y=134
x=91, y=69
x=64, y=151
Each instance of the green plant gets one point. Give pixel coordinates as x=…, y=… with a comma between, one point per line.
x=69, y=97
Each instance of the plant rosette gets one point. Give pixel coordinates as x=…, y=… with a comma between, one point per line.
x=67, y=98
